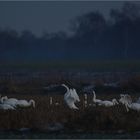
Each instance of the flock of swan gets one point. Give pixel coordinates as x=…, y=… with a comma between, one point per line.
x=71, y=97
x=12, y=103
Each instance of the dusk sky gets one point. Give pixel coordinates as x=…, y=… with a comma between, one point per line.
x=50, y=16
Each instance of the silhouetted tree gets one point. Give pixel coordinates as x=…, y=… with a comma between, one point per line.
x=89, y=27
x=92, y=37
x=124, y=24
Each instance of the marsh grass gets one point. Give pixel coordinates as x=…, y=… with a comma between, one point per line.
x=85, y=119
x=88, y=119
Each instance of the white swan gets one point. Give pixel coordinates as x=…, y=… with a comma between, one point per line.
x=108, y=103
x=133, y=106
x=10, y=101
x=6, y=107
x=25, y=103
x=94, y=98
x=125, y=98
x=71, y=97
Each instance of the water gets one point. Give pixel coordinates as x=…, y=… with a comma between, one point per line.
x=62, y=135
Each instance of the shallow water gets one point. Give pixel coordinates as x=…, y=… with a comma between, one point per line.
x=60, y=135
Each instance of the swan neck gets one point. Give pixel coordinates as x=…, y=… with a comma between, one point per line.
x=66, y=87
x=3, y=98
x=94, y=96
x=32, y=102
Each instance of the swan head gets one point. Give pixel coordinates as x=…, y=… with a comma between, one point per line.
x=63, y=85
x=32, y=102
x=94, y=96
x=93, y=92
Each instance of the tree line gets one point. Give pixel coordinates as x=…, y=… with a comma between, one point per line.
x=93, y=37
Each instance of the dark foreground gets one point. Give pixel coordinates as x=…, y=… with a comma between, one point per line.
x=68, y=135
x=58, y=121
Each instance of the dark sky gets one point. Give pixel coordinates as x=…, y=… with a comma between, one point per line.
x=50, y=16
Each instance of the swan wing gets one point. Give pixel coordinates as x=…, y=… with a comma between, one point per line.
x=106, y=103
x=10, y=102
x=70, y=103
x=6, y=107
x=98, y=101
x=12, y=99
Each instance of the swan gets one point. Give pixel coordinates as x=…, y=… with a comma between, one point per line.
x=25, y=103
x=94, y=98
x=70, y=97
x=70, y=100
x=108, y=103
x=133, y=106
x=10, y=101
x=6, y=107
x=125, y=98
